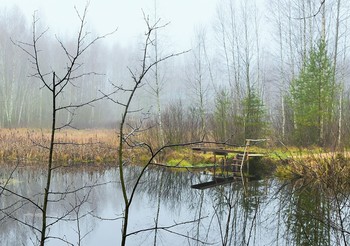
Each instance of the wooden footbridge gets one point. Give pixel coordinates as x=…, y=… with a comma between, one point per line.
x=225, y=171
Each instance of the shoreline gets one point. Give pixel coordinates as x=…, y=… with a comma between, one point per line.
x=98, y=147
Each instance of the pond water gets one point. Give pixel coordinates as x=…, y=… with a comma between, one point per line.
x=265, y=212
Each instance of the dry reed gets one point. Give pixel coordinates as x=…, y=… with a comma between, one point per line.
x=75, y=146
x=328, y=168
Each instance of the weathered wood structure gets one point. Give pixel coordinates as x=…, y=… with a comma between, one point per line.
x=225, y=171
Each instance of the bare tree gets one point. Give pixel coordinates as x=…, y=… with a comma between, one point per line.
x=56, y=85
x=238, y=35
x=129, y=131
x=198, y=81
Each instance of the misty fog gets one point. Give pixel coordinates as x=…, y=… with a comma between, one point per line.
x=248, y=47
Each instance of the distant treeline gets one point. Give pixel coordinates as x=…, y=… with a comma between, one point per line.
x=278, y=72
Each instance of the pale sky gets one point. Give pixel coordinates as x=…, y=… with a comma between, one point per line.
x=106, y=15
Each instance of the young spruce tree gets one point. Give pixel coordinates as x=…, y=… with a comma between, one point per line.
x=312, y=95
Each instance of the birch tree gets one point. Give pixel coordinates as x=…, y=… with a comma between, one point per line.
x=13, y=82
x=198, y=78
x=238, y=36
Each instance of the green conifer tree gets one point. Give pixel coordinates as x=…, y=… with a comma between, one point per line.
x=255, y=124
x=312, y=95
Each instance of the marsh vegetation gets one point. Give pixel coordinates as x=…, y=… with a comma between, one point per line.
x=125, y=177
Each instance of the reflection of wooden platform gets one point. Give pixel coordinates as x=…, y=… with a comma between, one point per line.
x=215, y=182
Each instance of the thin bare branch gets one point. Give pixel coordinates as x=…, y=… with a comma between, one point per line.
x=313, y=15
x=167, y=228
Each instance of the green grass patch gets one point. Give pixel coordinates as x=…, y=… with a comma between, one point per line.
x=290, y=152
x=178, y=163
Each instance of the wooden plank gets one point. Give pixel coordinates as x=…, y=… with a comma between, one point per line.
x=211, y=184
x=255, y=155
x=218, y=151
x=216, y=182
x=215, y=150
x=251, y=155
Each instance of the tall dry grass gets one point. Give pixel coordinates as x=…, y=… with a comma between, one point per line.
x=332, y=168
x=75, y=146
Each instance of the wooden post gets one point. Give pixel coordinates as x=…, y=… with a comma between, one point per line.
x=214, y=165
x=247, y=144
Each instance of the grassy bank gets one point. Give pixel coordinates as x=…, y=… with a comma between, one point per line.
x=100, y=146
x=88, y=146
x=330, y=168
x=84, y=146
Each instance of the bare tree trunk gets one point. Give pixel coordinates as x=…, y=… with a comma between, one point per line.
x=340, y=126
x=291, y=52
x=323, y=38
x=277, y=9
x=157, y=81
x=335, y=57
x=49, y=167
x=56, y=87
x=283, y=118
x=138, y=79
x=197, y=79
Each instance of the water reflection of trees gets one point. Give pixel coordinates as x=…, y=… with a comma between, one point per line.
x=225, y=215
x=171, y=186
x=236, y=212
x=259, y=213
x=15, y=209
x=73, y=197
x=294, y=214
x=311, y=217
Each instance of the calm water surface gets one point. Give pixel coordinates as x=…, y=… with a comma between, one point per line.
x=265, y=212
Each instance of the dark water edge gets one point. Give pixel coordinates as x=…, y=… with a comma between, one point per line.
x=264, y=212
